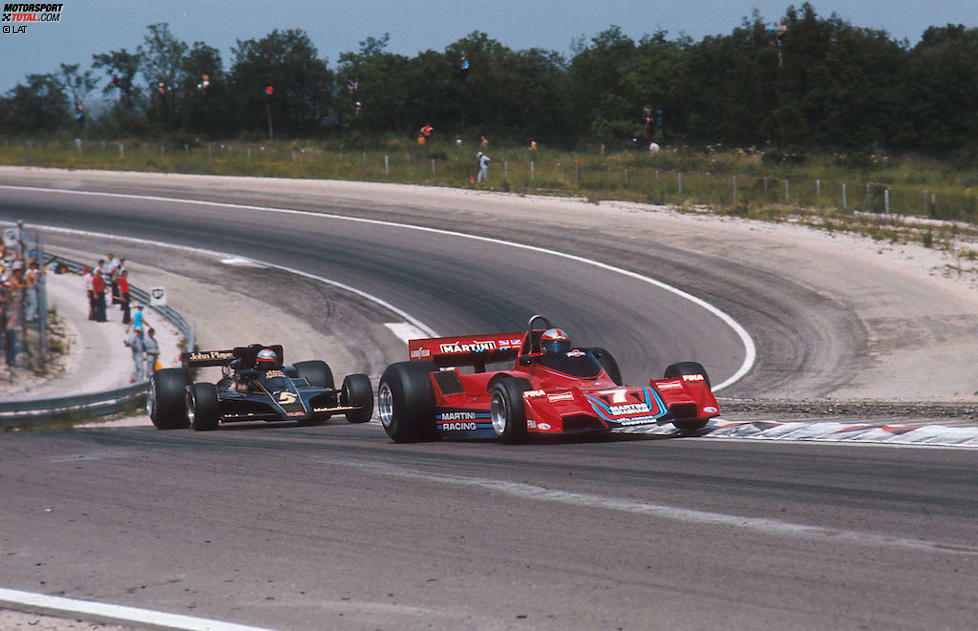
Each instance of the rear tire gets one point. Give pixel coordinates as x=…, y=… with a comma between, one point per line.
x=406, y=401
x=316, y=372
x=202, y=407
x=357, y=392
x=165, y=400
x=508, y=411
x=607, y=362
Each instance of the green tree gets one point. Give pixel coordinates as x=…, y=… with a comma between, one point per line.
x=204, y=107
x=121, y=68
x=302, y=83
x=162, y=64
x=40, y=105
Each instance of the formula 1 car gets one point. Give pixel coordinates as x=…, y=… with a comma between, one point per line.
x=552, y=388
x=254, y=386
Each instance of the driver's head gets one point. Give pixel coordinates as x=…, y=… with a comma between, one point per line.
x=554, y=341
x=266, y=358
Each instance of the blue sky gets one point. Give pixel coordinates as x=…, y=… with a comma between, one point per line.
x=95, y=26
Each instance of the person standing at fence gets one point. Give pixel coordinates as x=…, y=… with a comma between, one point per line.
x=87, y=276
x=124, y=296
x=32, y=280
x=98, y=291
x=483, y=166
x=152, y=348
x=136, y=344
x=109, y=270
x=14, y=288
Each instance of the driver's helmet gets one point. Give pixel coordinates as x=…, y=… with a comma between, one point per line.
x=554, y=341
x=266, y=358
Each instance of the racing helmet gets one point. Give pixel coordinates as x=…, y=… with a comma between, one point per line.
x=554, y=341
x=266, y=358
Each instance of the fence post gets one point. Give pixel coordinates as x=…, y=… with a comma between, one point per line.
x=765, y=185
x=122, y=150
x=735, y=189
x=680, y=187
x=818, y=189
x=505, y=168
x=886, y=201
x=844, y=204
x=626, y=177
x=925, y=200
x=708, y=187
x=249, y=154
x=210, y=153
x=577, y=175
x=532, y=170
x=387, y=166
x=787, y=191
x=433, y=171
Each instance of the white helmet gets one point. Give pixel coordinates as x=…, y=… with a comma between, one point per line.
x=266, y=358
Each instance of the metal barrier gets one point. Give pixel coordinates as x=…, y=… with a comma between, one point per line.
x=36, y=411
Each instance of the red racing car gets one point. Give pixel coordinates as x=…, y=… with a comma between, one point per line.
x=550, y=389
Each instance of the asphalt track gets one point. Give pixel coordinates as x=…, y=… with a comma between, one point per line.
x=335, y=527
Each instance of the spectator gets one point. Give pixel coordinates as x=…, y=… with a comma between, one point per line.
x=484, y=143
x=110, y=278
x=124, y=296
x=137, y=319
x=89, y=292
x=483, y=166
x=31, y=281
x=98, y=291
x=12, y=306
x=152, y=348
x=135, y=343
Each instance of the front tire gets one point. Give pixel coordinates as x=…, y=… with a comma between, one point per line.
x=202, y=407
x=357, y=392
x=406, y=402
x=165, y=400
x=508, y=411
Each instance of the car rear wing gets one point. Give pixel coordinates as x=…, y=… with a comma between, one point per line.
x=203, y=359
x=467, y=350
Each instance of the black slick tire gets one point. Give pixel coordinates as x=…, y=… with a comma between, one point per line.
x=316, y=372
x=507, y=409
x=202, y=407
x=165, y=399
x=406, y=402
x=357, y=392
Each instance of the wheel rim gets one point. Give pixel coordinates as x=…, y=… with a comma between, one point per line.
x=385, y=404
x=191, y=415
x=499, y=413
x=345, y=393
x=151, y=400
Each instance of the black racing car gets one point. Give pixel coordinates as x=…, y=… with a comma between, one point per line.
x=254, y=386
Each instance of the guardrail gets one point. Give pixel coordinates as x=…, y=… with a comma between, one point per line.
x=35, y=411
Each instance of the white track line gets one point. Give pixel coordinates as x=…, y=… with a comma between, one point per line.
x=750, y=351
x=118, y=612
x=237, y=260
x=661, y=511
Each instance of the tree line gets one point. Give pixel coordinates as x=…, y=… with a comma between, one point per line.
x=807, y=81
